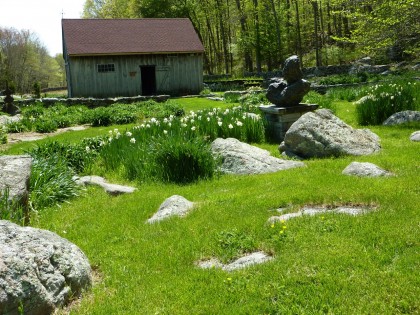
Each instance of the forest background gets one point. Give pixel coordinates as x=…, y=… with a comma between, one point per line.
x=243, y=37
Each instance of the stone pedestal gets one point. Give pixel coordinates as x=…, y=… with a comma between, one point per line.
x=279, y=119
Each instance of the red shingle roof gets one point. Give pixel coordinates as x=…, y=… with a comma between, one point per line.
x=129, y=36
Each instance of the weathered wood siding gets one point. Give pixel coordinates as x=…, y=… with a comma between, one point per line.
x=175, y=74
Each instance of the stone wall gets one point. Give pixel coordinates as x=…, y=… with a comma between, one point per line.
x=90, y=102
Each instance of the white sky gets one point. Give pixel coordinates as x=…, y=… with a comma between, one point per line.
x=42, y=17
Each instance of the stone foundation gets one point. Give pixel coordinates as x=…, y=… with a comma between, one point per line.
x=280, y=119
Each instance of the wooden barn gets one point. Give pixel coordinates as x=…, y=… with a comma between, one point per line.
x=130, y=57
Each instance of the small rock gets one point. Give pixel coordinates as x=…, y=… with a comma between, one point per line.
x=248, y=260
x=415, y=136
x=311, y=211
x=365, y=170
x=210, y=263
x=173, y=206
x=112, y=189
x=240, y=263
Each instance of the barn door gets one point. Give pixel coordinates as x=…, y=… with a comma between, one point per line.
x=148, y=80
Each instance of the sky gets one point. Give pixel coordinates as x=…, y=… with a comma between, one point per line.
x=42, y=17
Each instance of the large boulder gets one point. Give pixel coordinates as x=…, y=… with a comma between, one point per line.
x=403, y=117
x=321, y=134
x=15, y=171
x=39, y=270
x=242, y=158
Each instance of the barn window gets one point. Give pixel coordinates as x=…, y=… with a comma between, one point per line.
x=108, y=67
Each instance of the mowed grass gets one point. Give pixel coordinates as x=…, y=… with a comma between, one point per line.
x=329, y=263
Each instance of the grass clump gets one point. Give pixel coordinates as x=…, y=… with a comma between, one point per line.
x=78, y=157
x=383, y=100
x=177, y=149
x=51, y=182
x=324, y=101
x=234, y=243
x=10, y=210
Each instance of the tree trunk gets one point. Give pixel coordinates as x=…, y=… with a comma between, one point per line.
x=242, y=19
x=257, y=37
x=278, y=34
x=298, y=31
x=317, y=50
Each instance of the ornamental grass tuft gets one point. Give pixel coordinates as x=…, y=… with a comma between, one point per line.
x=383, y=100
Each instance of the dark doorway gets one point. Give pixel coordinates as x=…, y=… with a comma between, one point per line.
x=148, y=80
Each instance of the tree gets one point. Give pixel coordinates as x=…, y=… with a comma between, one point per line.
x=25, y=60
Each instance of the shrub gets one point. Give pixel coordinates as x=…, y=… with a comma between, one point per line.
x=17, y=126
x=386, y=99
x=123, y=114
x=45, y=125
x=101, y=116
x=37, y=89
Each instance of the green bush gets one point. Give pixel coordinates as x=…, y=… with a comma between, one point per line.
x=45, y=125
x=386, y=99
x=16, y=127
x=37, y=89
x=101, y=116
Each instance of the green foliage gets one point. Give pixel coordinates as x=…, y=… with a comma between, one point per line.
x=17, y=126
x=43, y=125
x=174, y=141
x=349, y=94
x=324, y=101
x=313, y=258
x=152, y=154
x=183, y=160
x=78, y=157
x=233, y=243
x=10, y=209
x=3, y=135
x=101, y=116
x=37, y=89
x=51, y=181
x=383, y=100
x=360, y=77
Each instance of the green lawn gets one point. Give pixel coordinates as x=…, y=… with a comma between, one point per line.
x=332, y=264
